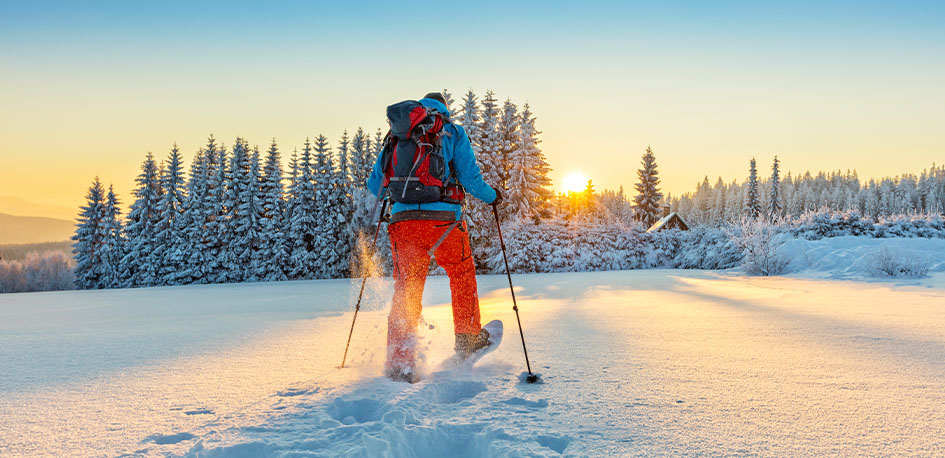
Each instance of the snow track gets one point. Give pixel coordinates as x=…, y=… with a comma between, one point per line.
x=640, y=363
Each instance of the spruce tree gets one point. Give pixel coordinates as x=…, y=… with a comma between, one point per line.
x=198, y=213
x=508, y=140
x=487, y=146
x=752, y=199
x=252, y=214
x=339, y=214
x=272, y=249
x=303, y=226
x=113, y=242
x=325, y=213
x=241, y=192
x=293, y=168
x=217, y=227
x=469, y=118
x=528, y=175
x=775, y=206
x=648, y=198
x=718, y=207
x=361, y=160
x=88, y=241
x=449, y=100
x=489, y=142
x=170, y=247
x=378, y=145
x=139, y=267
x=362, y=200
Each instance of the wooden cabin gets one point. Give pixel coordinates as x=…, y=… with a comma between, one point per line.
x=670, y=220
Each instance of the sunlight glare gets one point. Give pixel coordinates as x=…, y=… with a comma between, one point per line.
x=574, y=182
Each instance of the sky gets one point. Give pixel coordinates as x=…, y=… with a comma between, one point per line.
x=89, y=88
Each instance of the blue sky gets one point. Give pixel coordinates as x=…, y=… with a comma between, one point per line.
x=90, y=87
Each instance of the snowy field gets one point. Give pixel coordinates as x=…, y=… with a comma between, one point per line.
x=635, y=363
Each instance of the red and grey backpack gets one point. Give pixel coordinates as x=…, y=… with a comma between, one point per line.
x=413, y=162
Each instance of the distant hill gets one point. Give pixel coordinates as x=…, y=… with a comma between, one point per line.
x=33, y=229
x=12, y=205
x=19, y=251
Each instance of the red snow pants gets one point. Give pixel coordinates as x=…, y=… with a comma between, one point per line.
x=411, y=241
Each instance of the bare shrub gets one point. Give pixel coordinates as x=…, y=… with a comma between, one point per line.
x=49, y=271
x=757, y=239
x=894, y=262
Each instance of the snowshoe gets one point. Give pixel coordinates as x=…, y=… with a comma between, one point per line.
x=470, y=348
x=467, y=344
x=400, y=375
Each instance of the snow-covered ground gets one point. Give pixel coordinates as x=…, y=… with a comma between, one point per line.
x=639, y=363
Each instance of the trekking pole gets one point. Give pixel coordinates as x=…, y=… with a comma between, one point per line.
x=532, y=378
x=357, y=306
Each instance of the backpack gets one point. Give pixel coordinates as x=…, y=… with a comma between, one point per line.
x=412, y=159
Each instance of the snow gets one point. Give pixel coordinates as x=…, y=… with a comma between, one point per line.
x=634, y=363
x=849, y=257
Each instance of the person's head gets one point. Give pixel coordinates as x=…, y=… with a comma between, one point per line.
x=436, y=96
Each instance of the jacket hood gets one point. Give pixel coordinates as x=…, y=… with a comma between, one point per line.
x=432, y=103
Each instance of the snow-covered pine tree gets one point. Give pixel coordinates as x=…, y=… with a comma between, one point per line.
x=217, y=225
x=449, y=100
x=325, y=215
x=303, y=226
x=734, y=197
x=240, y=196
x=170, y=249
x=272, y=249
x=344, y=150
x=508, y=139
x=139, y=266
x=646, y=203
x=197, y=214
x=487, y=146
x=528, y=192
x=293, y=168
x=753, y=198
x=775, y=206
x=88, y=240
x=340, y=212
x=113, y=242
x=363, y=202
x=253, y=214
x=378, y=145
x=718, y=207
x=701, y=202
x=490, y=145
x=469, y=118
x=360, y=158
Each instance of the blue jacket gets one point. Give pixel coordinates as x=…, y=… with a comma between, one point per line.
x=456, y=148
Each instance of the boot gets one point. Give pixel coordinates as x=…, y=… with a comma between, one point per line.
x=401, y=364
x=467, y=344
x=402, y=375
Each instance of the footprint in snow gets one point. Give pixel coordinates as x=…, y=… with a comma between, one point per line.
x=349, y=411
x=451, y=392
x=168, y=439
x=541, y=403
x=556, y=443
x=290, y=392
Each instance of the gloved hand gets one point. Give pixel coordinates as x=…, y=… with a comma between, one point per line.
x=498, y=198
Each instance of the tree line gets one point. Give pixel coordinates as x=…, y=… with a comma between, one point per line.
x=791, y=197
x=237, y=216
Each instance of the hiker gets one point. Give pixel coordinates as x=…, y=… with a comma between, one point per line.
x=426, y=218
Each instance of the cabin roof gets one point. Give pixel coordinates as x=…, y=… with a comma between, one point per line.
x=665, y=221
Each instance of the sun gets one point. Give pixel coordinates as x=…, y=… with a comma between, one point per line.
x=574, y=182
